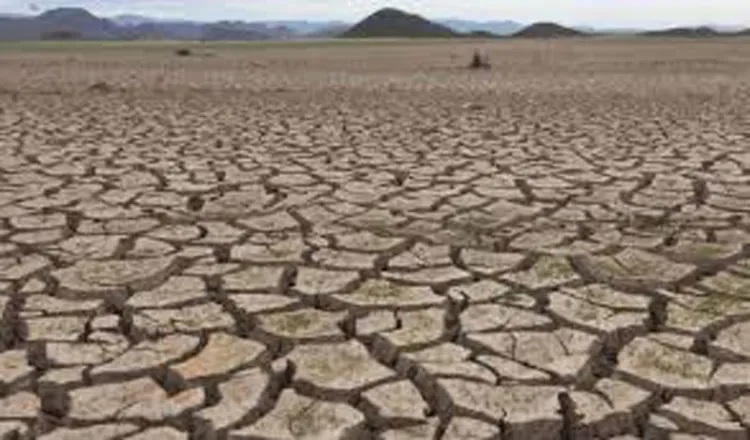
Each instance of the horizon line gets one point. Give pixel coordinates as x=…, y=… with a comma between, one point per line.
x=636, y=27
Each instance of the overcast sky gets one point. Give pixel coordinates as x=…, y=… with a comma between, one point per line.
x=571, y=12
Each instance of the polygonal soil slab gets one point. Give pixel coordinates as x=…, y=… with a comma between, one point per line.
x=279, y=221
x=395, y=404
x=612, y=408
x=86, y=247
x=107, y=431
x=490, y=263
x=526, y=411
x=547, y=272
x=417, y=327
x=564, y=352
x=339, y=368
x=733, y=342
x=703, y=253
x=14, y=367
x=23, y=405
x=421, y=256
x=252, y=303
x=338, y=259
x=312, y=281
x=367, y=242
x=304, y=324
x=80, y=353
x=255, y=278
x=241, y=395
x=285, y=251
x=140, y=398
x=58, y=328
x=728, y=284
x=299, y=417
x=149, y=355
x=161, y=433
x=22, y=266
x=655, y=366
x=96, y=278
x=687, y=313
x=175, y=290
x=621, y=324
x=483, y=291
x=429, y=276
x=700, y=417
x=382, y=293
x=222, y=354
x=636, y=268
x=158, y=322
x=490, y=317
x=444, y=360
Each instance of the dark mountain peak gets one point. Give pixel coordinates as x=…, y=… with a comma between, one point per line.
x=66, y=13
x=392, y=22
x=545, y=29
x=389, y=12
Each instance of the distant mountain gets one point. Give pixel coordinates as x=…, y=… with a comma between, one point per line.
x=696, y=32
x=304, y=27
x=132, y=20
x=547, y=30
x=167, y=30
x=62, y=23
x=232, y=31
x=390, y=22
x=332, y=31
x=495, y=27
x=76, y=20
x=185, y=29
x=18, y=29
x=78, y=23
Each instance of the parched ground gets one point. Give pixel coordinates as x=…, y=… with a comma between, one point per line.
x=353, y=241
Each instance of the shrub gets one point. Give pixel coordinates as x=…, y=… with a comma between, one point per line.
x=477, y=62
x=184, y=52
x=101, y=87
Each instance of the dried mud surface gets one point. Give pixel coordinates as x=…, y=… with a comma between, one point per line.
x=369, y=242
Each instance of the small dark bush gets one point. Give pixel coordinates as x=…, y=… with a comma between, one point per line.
x=183, y=52
x=477, y=62
x=101, y=87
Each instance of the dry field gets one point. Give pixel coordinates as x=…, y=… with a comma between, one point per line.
x=367, y=241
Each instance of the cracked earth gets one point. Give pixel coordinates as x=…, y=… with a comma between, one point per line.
x=345, y=243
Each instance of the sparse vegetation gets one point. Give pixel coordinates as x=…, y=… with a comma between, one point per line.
x=479, y=62
x=101, y=87
x=547, y=30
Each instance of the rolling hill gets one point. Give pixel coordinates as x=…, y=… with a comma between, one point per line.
x=391, y=23
x=78, y=23
x=548, y=30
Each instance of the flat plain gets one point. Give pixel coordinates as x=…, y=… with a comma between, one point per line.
x=343, y=240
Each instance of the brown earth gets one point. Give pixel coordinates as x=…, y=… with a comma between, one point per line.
x=352, y=241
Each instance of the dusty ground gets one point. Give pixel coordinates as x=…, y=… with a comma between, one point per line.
x=356, y=241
